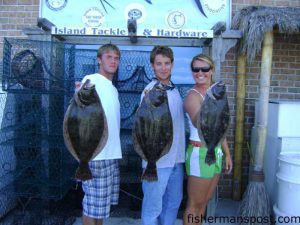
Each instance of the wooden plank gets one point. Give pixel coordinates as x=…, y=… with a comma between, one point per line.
x=98, y=40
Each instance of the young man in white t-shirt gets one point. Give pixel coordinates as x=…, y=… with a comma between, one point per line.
x=102, y=190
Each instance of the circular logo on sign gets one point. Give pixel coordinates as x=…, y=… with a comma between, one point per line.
x=214, y=6
x=176, y=19
x=135, y=11
x=93, y=17
x=56, y=4
x=135, y=14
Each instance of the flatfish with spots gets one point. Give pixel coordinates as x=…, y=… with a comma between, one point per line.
x=213, y=119
x=85, y=128
x=152, y=130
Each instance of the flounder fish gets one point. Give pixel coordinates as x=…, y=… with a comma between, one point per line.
x=213, y=119
x=152, y=130
x=85, y=128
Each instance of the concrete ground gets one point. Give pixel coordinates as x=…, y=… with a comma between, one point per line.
x=122, y=221
x=224, y=208
x=68, y=210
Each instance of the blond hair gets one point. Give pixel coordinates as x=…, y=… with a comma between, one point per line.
x=204, y=58
x=106, y=48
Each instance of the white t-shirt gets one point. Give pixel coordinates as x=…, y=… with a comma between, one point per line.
x=110, y=102
x=177, y=150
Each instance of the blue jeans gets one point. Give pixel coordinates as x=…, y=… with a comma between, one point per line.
x=162, y=198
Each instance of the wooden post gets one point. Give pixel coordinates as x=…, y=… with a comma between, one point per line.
x=239, y=127
x=255, y=201
x=263, y=104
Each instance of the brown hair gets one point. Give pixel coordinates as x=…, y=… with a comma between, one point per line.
x=161, y=50
x=106, y=48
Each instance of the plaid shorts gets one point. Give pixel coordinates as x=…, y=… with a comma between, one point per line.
x=103, y=190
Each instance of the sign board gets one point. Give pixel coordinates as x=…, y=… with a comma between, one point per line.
x=154, y=18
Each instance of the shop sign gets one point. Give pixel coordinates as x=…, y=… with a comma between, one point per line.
x=159, y=18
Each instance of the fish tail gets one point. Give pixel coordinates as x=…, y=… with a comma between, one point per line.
x=150, y=173
x=83, y=172
x=210, y=158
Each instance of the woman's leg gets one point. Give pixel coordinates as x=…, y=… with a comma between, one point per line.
x=213, y=185
x=200, y=191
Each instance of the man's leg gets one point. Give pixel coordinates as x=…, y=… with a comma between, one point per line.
x=100, y=192
x=91, y=221
x=153, y=197
x=173, y=196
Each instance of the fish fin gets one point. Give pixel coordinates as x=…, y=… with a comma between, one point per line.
x=104, y=137
x=150, y=173
x=137, y=146
x=67, y=136
x=210, y=158
x=199, y=128
x=83, y=172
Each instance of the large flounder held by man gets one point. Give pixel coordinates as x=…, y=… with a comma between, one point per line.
x=152, y=130
x=213, y=119
x=85, y=128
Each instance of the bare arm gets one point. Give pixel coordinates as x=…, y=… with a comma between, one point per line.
x=192, y=105
x=228, y=160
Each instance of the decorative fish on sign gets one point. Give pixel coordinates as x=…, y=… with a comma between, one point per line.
x=199, y=5
x=85, y=128
x=101, y=1
x=213, y=119
x=152, y=130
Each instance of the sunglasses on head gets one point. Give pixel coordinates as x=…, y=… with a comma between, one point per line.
x=202, y=69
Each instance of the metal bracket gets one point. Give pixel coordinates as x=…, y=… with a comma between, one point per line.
x=132, y=28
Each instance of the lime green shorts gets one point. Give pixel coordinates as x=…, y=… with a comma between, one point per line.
x=195, y=162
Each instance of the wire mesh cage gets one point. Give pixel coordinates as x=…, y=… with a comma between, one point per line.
x=38, y=66
x=38, y=78
x=32, y=147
